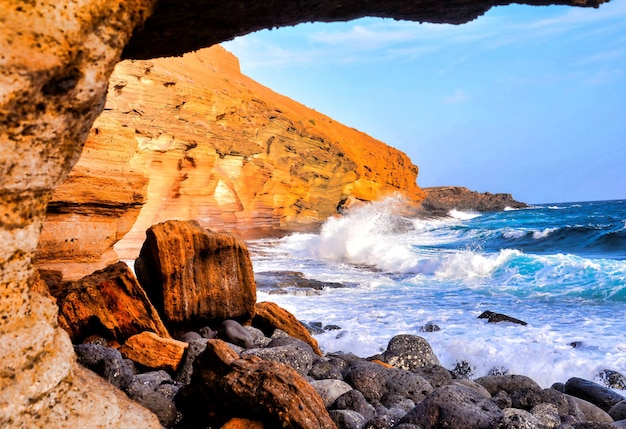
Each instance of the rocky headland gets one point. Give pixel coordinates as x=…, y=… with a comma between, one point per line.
x=441, y=199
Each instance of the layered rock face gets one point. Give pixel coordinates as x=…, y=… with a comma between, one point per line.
x=55, y=63
x=217, y=147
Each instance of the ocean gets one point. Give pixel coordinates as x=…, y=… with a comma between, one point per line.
x=559, y=267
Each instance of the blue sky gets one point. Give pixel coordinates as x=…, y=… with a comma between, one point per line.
x=525, y=100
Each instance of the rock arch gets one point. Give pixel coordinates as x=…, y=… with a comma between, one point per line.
x=55, y=62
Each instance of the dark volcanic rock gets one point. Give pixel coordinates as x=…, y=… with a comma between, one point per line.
x=409, y=352
x=355, y=401
x=454, y=407
x=440, y=200
x=107, y=362
x=498, y=317
x=595, y=393
x=292, y=282
x=508, y=383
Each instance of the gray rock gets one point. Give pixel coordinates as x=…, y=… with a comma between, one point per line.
x=347, y=419
x=258, y=337
x=207, y=333
x=613, y=379
x=232, y=332
x=591, y=412
x=595, y=393
x=516, y=419
x=618, y=411
x=499, y=317
x=547, y=415
x=406, y=384
x=148, y=382
x=355, y=401
x=328, y=367
x=164, y=408
x=454, y=407
x=296, y=354
x=397, y=401
x=409, y=352
x=472, y=385
x=436, y=375
x=566, y=406
x=430, y=327
x=382, y=421
x=193, y=351
x=330, y=390
x=508, y=383
x=190, y=336
x=369, y=380
x=107, y=362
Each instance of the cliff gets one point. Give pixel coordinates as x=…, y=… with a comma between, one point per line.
x=193, y=138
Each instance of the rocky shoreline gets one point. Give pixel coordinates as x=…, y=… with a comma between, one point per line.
x=189, y=342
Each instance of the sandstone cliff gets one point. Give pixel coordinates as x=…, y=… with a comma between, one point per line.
x=217, y=147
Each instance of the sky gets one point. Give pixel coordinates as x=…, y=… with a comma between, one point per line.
x=523, y=100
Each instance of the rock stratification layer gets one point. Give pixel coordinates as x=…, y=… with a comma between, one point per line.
x=217, y=147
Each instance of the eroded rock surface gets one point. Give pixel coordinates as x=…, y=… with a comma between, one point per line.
x=440, y=200
x=194, y=276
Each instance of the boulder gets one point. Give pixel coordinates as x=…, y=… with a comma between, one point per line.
x=595, y=393
x=195, y=276
x=347, y=419
x=618, y=411
x=152, y=351
x=109, y=303
x=224, y=386
x=409, y=352
x=269, y=317
x=508, y=383
x=454, y=407
x=107, y=362
x=289, y=351
x=330, y=390
x=355, y=401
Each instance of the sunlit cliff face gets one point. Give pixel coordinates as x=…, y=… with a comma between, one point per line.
x=56, y=59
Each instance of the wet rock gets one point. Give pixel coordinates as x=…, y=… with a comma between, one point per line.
x=347, y=419
x=430, y=327
x=257, y=336
x=109, y=303
x=195, y=276
x=591, y=412
x=290, y=282
x=160, y=405
x=270, y=317
x=409, y=352
x=441, y=199
x=547, y=415
x=224, y=386
x=529, y=398
x=463, y=369
x=454, y=407
x=595, y=393
x=436, y=375
x=107, y=362
x=498, y=318
x=330, y=390
x=613, y=379
x=152, y=351
x=354, y=400
x=406, y=384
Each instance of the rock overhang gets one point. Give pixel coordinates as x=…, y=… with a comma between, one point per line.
x=178, y=27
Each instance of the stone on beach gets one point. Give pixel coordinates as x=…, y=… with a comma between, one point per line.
x=269, y=317
x=195, y=276
x=224, y=386
x=409, y=352
x=152, y=351
x=109, y=303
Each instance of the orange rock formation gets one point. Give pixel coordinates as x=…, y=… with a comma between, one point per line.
x=217, y=147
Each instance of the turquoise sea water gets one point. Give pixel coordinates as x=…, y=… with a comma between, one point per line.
x=559, y=267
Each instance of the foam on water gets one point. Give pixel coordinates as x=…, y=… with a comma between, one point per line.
x=448, y=271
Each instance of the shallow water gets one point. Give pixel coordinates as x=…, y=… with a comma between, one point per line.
x=559, y=267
